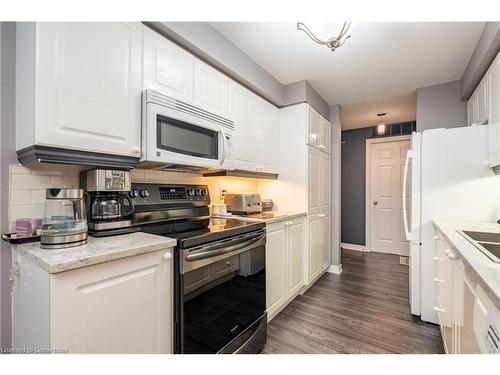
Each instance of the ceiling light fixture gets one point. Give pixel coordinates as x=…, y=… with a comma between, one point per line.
x=381, y=127
x=333, y=42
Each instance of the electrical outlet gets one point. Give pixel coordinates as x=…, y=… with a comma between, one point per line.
x=223, y=193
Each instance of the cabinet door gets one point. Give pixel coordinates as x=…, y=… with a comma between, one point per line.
x=88, y=86
x=267, y=135
x=275, y=268
x=313, y=128
x=244, y=107
x=211, y=89
x=326, y=240
x=167, y=67
x=325, y=182
x=494, y=93
x=315, y=190
x=470, y=110
x=445, y=299
x=326, y=136
x=313, y=248
x=295, y=255
x=482, y=102
x=123, y=306
x=467, y=342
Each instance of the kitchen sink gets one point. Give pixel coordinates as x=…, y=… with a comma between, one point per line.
x=483, y=236
x=488, y=243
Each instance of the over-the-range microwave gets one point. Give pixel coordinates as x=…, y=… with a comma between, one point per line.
x=175, y=133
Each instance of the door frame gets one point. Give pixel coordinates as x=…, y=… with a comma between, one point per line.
x=368, y=178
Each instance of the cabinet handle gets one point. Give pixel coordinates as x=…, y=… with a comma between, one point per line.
x=290, y=223
x=451, y=255
x=438, y=309
x=321, y=216
x=436, y=280
x=436, y=237
x=322, y=147
x=436, y=259
x=167, y=256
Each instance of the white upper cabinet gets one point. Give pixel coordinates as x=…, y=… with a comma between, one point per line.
x=494, y=112
x=481, y=113
x=79, y=86
x=244, y=111
x=326, y=136
x=211, y=89
x=471, y=106
x=167, y=67
x=268, y=132
x=494, y=91
x=313, y=128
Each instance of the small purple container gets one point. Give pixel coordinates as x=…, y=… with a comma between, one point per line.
x=27, y=226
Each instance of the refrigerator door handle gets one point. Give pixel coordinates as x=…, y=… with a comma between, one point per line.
x=409, y=155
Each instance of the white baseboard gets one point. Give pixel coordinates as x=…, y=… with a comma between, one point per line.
x=351, y=246
x=335, y=269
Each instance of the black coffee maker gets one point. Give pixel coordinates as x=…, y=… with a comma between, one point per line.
x=109, y=208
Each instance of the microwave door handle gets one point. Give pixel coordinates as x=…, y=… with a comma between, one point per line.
x=224, y=146
x=405, y=178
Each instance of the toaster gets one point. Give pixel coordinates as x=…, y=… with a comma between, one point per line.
x=246, y=203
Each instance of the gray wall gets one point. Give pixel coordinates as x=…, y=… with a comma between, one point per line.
x=482, y=57
x=335, y=183
x=206, y=42
x=440, y=106
x=7, y=156
x=353, y=178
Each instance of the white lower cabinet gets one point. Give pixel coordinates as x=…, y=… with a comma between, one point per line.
x=285, y=248
x=122, y=306
x=315, y=229
x=465, y=312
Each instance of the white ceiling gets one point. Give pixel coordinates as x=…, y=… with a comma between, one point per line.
x=385, y=60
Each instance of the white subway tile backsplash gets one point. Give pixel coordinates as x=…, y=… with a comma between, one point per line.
x=27, y=187
x=19, y=169
x=28, y=182
x=63, y=182
x=153, y=175
x=38, y=196
x=20, y=197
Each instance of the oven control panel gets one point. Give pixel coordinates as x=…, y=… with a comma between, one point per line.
x=151, y=193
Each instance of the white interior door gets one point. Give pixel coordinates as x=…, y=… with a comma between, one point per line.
x=385, y=197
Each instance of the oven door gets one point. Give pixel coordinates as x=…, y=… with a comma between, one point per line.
x=176, y=137
x=222, y=296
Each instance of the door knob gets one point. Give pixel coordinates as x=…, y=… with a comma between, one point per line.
x=375, y=203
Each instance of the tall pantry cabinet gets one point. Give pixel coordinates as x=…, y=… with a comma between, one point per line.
x=305, y=180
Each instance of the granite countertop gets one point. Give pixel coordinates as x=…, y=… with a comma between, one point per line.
x=487, y=270
x=97, y=250
x=278, y=216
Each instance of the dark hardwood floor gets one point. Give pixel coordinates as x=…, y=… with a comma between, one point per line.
x=365, y=309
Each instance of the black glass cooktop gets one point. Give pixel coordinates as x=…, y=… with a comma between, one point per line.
x=194, y=232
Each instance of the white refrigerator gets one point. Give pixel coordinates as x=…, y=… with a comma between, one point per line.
x=447, y=171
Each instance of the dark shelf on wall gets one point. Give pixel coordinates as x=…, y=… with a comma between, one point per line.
x=399, y=128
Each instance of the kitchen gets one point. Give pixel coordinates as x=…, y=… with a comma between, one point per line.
x=159, y=200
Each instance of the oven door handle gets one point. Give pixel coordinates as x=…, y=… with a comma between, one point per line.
x=213, y=253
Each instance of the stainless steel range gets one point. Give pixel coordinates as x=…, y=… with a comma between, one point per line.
x=220, y=284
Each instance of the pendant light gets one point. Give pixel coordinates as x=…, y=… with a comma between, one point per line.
x=381, y=126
